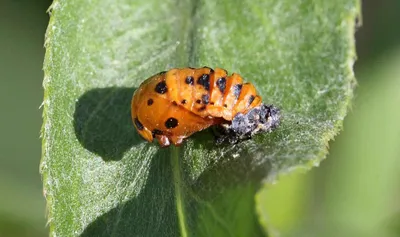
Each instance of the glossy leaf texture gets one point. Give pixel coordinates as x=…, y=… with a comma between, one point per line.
x=101, y=179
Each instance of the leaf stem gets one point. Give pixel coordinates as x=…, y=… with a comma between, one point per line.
x=176, y=169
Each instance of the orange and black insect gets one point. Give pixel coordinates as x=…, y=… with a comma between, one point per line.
x=170, y=106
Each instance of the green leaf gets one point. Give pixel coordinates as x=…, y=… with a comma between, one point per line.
x=101, y=179
x=283, y=206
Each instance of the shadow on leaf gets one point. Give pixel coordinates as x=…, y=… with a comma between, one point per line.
x=152, y=212
x=103, y=124
x=208, y=201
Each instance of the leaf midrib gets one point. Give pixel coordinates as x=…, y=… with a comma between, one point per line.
x=186, y=56
x=177, y=179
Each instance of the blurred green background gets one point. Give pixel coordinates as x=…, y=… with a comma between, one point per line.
x=355, y=192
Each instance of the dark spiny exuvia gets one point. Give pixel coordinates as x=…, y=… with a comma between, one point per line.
x=263, y=118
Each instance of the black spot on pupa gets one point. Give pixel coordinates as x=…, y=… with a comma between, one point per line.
x=251, y=99
x=225, y=105
x=150, y=102
x=183, y=102
x=198, y=101
x=202, y=108
x=221, y=83
x=138, y=124
x=205, y=98
x=211, y=103
x=157, y=132
x=237, y=89
x=204, y=80
x=161, y=87
x=211, y=70
x=171, y=123
x=174, y=103
x=189, y=80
